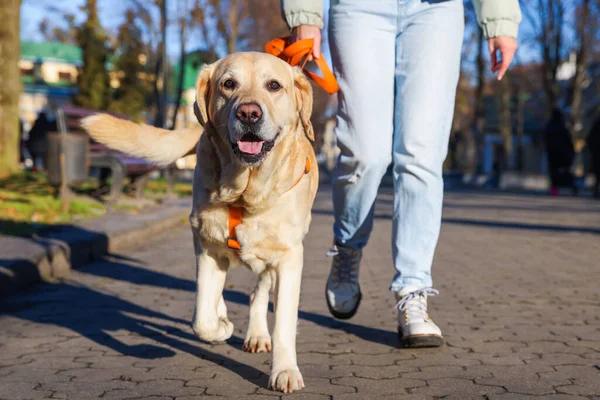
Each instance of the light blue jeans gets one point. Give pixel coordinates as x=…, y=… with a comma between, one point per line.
x=397, y=63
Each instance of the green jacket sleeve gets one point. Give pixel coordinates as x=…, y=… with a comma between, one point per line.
x=498, y=17
x=302, y=12
x=495, y=17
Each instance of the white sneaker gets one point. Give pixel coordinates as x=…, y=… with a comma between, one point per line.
x=415, y=327
x=342, y=291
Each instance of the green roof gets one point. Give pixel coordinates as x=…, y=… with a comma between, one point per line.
x=193, y=62
x=51, y=51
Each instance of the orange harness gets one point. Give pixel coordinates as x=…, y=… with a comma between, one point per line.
x=236, y=213
x=297, y=53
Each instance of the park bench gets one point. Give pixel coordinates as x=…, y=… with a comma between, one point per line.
x=115, y=164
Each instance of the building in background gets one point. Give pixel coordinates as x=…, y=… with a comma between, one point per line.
x=48, y=72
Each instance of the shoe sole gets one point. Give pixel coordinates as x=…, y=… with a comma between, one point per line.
x=420, y=341
x=343, y=315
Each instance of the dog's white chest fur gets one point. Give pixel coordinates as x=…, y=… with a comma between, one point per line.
x=264, y=237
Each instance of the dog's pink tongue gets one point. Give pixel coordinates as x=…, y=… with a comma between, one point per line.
x=250, y=147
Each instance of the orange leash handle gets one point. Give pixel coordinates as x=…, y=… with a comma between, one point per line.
x=297, y=53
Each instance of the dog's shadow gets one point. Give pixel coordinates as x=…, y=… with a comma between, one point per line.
x=98, y=316
x=95, y=315
x=141, y=276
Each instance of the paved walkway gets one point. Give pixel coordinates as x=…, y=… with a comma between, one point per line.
x=520, y=308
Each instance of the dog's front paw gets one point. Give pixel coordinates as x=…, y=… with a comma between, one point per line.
x=286, y=380
x=218, y=332
x=257, y=344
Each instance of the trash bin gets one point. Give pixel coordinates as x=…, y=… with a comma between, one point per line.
x=75, y=148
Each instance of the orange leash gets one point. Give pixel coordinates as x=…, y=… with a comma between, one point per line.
x=236, y=214
x=297, y=53
x=235, y=218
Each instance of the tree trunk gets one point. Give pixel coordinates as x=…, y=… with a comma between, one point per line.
x=580, y=67
x=165, y=63
x=10, y=86
x=181, y=73
x=156, y=94
x=232, y=35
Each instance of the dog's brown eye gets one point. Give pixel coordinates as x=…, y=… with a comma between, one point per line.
x=273, y=86
x=229, y=84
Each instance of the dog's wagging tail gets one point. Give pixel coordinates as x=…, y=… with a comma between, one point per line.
x=161, y=146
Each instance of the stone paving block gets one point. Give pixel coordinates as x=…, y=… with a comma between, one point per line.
x=314, y=386
x=454, y=386
x=581, y=332
x=362, y=396
x=572, y=372
x=334, y=338
x=587, y=344
x=307, y=396
x=167, y=388
x=152, y=398
x=380, y=386
x=427, y=373
x=366, y=347
x=510, y=371
x=324, y=348
x=525, y=384
x=327, y=387
x=464, y=396
x=530, y=333
x=556, y=359
x=493, y=359
x=251, y=397
x=515, y=396
x=373, y=372
x=592, y=356
x=56, y=363
x=23, y=390
x=34, y=375
x=14, y=361
x=371, y=360
x=544, y=347
x=230, y=384
x=87, y=390
x=585, y=380
x=442, y=357
x=324, y=371
x=496, y=347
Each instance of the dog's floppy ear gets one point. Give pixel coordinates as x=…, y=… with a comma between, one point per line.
x=304, y=101
x=203, y=94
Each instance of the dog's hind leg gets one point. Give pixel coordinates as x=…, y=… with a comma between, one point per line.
x=210, y=316
x=285, y=375
x=258, y=339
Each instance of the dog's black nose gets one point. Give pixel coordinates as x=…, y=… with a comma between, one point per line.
x=249, y=113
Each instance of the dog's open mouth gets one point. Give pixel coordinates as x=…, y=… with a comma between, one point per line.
x=251, y=148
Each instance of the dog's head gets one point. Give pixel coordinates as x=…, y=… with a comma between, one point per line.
x=253, y=100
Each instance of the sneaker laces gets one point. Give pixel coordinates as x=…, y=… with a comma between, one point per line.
x=345, y=264
x=414, y=304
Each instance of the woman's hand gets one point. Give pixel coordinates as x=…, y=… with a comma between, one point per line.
x=507, y=46
x=308, y=32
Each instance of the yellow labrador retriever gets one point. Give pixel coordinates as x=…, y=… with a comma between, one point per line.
x=254, y=185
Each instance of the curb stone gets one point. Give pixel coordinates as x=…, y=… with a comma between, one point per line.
x=50, y=255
